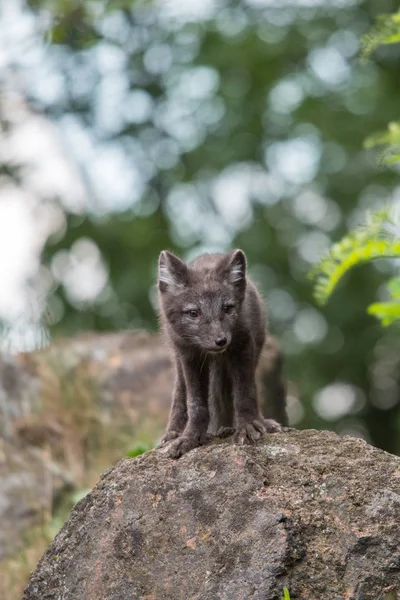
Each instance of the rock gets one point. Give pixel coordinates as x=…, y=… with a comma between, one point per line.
x=128, y=375
x=25, y=494
x=18, y=391
x=308, y=510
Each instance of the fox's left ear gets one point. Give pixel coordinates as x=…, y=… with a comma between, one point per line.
x=172, y=273
x=237, y=268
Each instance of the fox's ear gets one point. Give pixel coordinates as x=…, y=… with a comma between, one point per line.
x=237, y=268
x=172, y=272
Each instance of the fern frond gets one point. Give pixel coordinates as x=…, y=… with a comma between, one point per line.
x=387, y=312
x=378, y=238
x=390, y=140
x=386, y=31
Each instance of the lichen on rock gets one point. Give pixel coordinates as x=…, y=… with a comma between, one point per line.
x=308, y=510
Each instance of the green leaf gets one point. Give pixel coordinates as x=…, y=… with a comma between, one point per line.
x=286, y=595
x=392, y=159
x=394, y=287
x=386, y=312
x=390, y=136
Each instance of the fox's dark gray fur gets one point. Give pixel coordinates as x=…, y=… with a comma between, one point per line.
x=215, y=320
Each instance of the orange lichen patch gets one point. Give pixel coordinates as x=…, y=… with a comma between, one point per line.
x=155, y=500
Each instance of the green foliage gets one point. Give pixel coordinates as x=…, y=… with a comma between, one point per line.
x=138, y=449
x=386, y=31
x=389, y=140
x=378, y=238
x=229, y=96
x=286, y=595
x=388, y=312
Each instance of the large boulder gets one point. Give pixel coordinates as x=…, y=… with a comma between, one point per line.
x=308, y=510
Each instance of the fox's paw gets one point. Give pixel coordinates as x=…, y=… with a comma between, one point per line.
x=271, y=426
x=168, y=436
x=224, y=432
x=249, y=433
x=184, y=444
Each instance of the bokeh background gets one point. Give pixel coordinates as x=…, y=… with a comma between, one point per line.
x=132, y=126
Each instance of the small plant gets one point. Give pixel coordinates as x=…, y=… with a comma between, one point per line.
x=378, y=238
x=138, y=449
x=286, y=595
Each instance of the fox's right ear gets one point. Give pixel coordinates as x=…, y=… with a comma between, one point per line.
x=172, y=273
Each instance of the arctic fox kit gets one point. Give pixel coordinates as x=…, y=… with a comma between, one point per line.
x=215, y=321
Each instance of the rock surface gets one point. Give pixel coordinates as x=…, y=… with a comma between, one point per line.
x=308, y=510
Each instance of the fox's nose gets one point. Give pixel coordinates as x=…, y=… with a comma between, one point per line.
x=221, y=341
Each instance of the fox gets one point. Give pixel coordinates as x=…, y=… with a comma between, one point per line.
x=215, y=321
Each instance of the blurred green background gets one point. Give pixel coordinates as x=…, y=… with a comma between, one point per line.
x=128, y=127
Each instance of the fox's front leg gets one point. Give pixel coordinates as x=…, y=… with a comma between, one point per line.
x=195, y=432
x=178, y=414
x=250, y=424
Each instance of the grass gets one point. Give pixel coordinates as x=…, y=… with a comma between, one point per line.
x=138, y=449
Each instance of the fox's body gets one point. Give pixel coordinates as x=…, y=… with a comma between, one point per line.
x=215, y=320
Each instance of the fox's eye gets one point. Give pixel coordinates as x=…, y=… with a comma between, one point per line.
x=193, y=313
x=228, y=308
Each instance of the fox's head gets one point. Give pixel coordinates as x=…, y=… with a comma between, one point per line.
x=201, y=301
